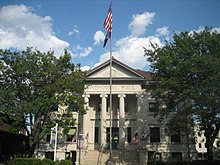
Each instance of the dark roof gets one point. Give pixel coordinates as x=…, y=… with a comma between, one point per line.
x=146, y=74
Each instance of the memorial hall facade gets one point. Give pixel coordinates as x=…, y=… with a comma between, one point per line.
x=135, y=128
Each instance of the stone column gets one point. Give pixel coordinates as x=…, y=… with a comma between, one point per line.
x=86, y=121
x=139, y=115
x=103, y=119
x=122, y=128
x=139, y=97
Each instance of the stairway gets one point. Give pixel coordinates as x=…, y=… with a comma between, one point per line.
x=94, y=157
x=130, y=158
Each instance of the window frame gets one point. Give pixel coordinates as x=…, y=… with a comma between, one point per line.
x=154, y=105
x=175, y=138
x=155, y=138
x=69, y=137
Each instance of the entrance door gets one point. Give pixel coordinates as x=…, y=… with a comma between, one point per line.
x=115, y=137
x=73, y=157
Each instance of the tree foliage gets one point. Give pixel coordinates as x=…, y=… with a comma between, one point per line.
x=188, y=68
x=33, y=85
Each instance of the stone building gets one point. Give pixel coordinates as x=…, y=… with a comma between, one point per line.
x=137, y=136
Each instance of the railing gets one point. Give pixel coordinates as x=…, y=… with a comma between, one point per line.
x=100, y=154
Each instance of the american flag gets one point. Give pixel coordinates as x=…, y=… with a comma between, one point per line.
x=87, y=138
x=108, y=35
x=108, y=20
x=135, y=139
x=53, y=135
x=74, y=138
x=108, y=25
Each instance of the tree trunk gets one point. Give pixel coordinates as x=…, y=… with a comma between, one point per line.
x=211, y=134
x=210, y=152
x=34, y=138
x=31, y=150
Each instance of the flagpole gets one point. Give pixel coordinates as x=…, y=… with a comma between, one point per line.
x=108, y=27
x=110, y=79
x=55, y=145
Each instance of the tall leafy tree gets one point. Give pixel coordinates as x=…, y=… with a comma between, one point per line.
x=188, y=68
x=33, y=85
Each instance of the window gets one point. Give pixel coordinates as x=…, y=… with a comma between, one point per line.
x=152, y=107
x=49, y=155
x=71, y=134
x=54, y=107
x=200, y=155
x=177, y=156
x=96, y=135
x=126, y=106
x=175, y=138
x=48, y=138
x=157, y=156
x=129, y=134
x=155, y=134
x=218, y=144
x=67, y=155
x=175, y=107
x=152, y=155
x=99, y=106
x=72, y=108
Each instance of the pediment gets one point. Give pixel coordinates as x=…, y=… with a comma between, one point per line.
x=119, y=71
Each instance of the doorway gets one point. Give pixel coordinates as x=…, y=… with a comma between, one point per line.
x=73, y=158
x=115, y=137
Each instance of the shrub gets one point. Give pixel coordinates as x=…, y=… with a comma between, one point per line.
x=65, y=162
x=156, y=162
x=48, y=162
x=194, y=162
x=31, y=161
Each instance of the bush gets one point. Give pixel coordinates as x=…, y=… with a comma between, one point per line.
x=194, y=162
x=65, y=162
x=156, y=162
x=48, y=162
x=31, y=161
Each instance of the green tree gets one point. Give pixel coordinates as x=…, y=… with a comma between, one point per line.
x=188, y=68
x=33, y=85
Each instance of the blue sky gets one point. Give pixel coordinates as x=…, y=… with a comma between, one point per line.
x=78, y=26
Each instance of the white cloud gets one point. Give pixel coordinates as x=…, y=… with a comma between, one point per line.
x=130, y=51
x=162, y=31
x=140, y=22
x=75, y=31
x=202, y=28
x=85, y=52
x=217, y=29
x=20, y=28
x=98, y=37
x=78, y=51
x=85, y=68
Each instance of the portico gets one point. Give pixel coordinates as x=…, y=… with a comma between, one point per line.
x=127, y=83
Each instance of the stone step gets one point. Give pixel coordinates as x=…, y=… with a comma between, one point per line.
x=118, y=157
x=91, y=158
